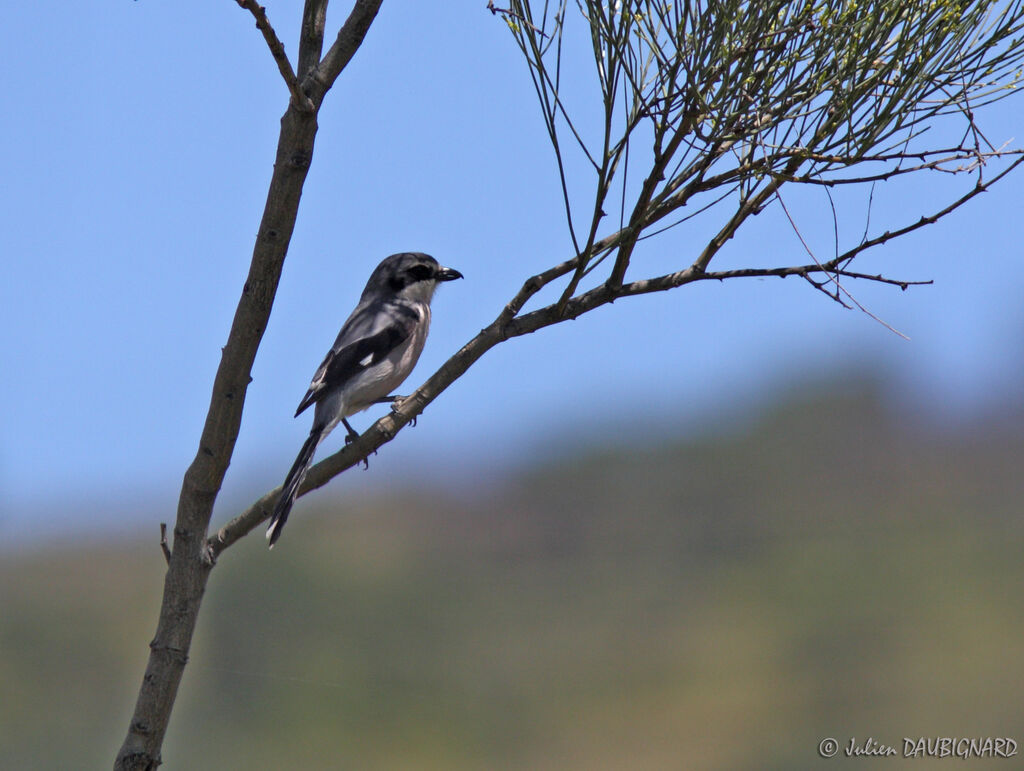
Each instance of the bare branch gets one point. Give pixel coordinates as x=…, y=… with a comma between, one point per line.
x=803, y=271
x=350, y=37
x=191, y=558
x=311, y=42
x=190, y=564
x=509, y=324
x=979, y=188
x=277, y=51
x=839, y=291
x=836, y=265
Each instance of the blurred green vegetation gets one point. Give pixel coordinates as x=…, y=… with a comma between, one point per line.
x=719, y=603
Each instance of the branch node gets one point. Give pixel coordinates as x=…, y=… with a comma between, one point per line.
x=163, y=543
x=179, y=656
x=300, y=159
x=207, y=554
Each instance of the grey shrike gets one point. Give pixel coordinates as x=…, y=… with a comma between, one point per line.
x=375, y=351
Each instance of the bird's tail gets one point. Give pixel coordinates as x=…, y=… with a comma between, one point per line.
x=291, y=486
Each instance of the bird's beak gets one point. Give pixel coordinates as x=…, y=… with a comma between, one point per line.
x=448, y=274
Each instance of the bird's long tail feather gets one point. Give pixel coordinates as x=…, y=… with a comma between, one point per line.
x=291, y=486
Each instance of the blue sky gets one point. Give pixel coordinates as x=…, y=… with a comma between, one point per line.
x=139, y=138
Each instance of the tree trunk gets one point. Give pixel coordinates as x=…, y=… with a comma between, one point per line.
x=191, y=562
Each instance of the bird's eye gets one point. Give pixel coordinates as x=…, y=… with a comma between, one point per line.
x=420, y=272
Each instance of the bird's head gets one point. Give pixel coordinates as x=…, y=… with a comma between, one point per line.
x=411, y=275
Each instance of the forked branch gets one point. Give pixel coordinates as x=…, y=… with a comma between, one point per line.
x=276, y=47
x=189, y=561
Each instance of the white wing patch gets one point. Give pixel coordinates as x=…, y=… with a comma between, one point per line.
x=365, y=361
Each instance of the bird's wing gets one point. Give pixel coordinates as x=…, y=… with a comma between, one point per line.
x=367, y=338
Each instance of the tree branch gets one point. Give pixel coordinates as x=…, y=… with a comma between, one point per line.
x=311, y=41
x=350, y=37
x=388, y=427
x=509, y=324
x=190, y=564
x=277, y=51
x=191, y=560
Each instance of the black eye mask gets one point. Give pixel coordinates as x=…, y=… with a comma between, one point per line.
x=420, y=272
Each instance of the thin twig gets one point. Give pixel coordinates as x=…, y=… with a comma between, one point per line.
x=508, y=12
x=832, y=278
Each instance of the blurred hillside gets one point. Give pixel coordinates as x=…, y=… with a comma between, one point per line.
x=721, y=603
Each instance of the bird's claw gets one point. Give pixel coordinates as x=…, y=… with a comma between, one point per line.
x=396, y=405
x=349, y=438
x=366, y=462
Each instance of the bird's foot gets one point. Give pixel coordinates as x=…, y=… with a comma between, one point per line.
x=396, y=404
x=352, y=434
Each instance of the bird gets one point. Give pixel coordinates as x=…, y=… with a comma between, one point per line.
x=375, y=351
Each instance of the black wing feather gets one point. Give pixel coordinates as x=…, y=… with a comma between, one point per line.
x=342, y=364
